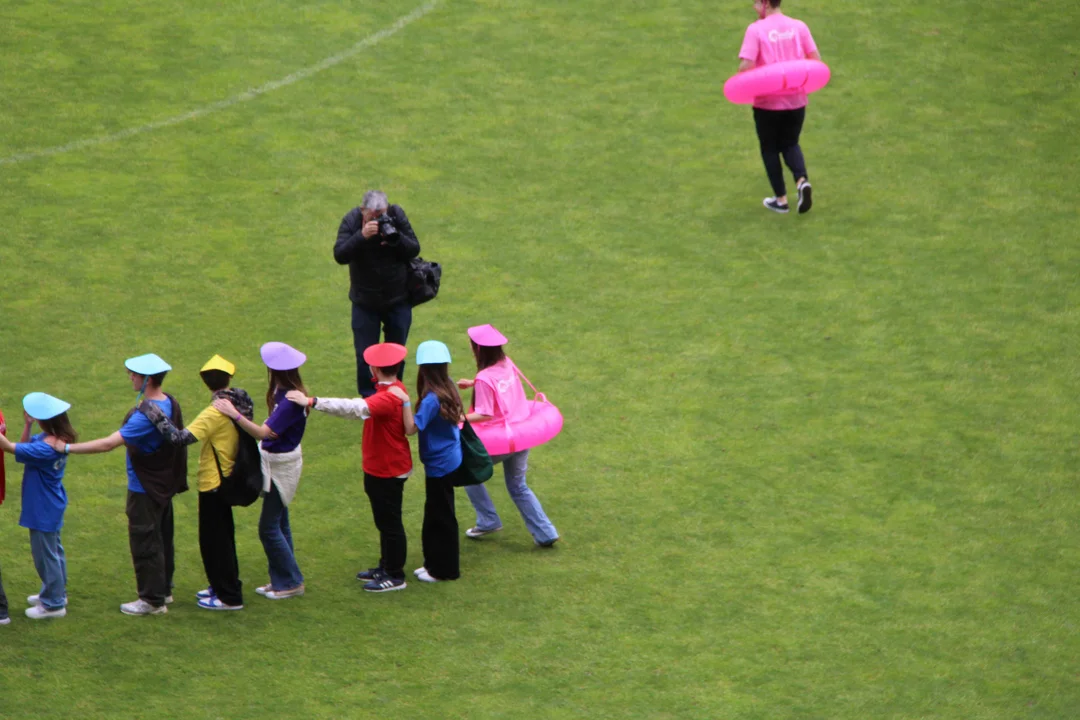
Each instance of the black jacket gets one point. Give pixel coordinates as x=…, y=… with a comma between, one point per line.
x=377, y=270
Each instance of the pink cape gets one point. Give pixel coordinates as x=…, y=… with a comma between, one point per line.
x=779, y=78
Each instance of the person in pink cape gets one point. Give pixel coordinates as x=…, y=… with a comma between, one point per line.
x=497, y=393
x=773, y=38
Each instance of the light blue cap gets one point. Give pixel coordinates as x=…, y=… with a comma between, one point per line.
x=41, y=406
x=149, y=364
x=432, y=352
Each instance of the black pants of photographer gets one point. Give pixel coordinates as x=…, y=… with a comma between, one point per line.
x=217, y=544
x=150, y=535
x=367, y=326
x=778, y=134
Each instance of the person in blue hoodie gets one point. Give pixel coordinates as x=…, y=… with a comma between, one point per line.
x=43, y=498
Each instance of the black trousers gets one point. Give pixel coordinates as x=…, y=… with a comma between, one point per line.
x=150, y=536
x=367, y=326
x=3, y=597
x=778, y=134
x=439, y=536
x=217, y=544
x=385, y=496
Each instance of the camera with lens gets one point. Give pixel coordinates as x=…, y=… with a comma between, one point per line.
x=386, y=227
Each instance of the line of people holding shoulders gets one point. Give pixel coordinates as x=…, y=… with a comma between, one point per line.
x=156, y=439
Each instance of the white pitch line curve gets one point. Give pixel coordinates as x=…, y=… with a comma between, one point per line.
x=250, y=94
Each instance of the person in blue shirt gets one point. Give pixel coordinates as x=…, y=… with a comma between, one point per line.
x=155, y=472
x=436, y=420
x=44, y=499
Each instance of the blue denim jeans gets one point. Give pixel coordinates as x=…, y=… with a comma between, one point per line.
x=515, y=466
x=51, y=566
x=276, y=536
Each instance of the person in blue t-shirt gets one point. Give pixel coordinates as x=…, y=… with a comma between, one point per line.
x=43, y=498
x=149, y=510
x=437, y=417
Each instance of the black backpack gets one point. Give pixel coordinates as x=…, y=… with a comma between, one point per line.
x=422, y=282
x=244, y=485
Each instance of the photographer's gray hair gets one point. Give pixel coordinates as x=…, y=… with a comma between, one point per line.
x=375, y=200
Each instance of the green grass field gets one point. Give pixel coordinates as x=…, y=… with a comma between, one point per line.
x=819, y=466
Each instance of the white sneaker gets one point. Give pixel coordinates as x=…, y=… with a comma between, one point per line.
x=168, y=600
x=141, y=607
x=263, y=589
x=475, y=532
x=33, y=600
x=40, y=612
x=424, y=576
x=5, y=621
x=284, y=594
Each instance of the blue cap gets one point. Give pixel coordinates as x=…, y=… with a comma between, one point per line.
x=432, y=352
x=40, y=406
x=149, y=364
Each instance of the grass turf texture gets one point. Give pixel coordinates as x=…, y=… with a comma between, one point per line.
x=813, y=467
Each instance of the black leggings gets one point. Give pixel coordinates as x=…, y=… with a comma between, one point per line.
x=778, y=133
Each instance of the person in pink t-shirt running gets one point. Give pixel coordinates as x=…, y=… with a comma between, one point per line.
x=773, y=38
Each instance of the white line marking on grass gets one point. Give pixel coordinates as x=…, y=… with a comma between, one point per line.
x=251, y=94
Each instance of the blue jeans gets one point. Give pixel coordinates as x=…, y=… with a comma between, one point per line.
x=276, y=536
x=367, y=325
x=51, y=567
x=515, y=466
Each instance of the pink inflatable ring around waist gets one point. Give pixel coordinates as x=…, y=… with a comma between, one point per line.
x=502, y=437
x=782, y=78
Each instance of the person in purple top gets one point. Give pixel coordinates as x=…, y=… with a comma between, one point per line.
x=280, y=436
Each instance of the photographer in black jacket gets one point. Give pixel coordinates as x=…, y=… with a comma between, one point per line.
x=377, y=242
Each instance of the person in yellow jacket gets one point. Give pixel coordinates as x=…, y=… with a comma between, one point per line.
x=219, y=437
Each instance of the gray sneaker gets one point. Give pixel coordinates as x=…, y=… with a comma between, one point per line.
x=40, y=612
x=141, y=607
x=475, y=532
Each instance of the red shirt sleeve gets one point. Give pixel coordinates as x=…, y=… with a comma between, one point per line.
x=383, y=405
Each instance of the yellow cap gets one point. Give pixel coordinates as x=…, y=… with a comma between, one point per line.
x=219, y=363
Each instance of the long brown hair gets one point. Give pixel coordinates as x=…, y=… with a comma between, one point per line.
x=60, y=426
x=487, y=355
x=286, y=379
x=434, y=378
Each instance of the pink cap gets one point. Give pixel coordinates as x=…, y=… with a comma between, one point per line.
x=487, y=336
x=279, y=356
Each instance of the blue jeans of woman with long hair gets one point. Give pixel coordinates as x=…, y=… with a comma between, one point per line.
x=515, y=466
x=276, y=536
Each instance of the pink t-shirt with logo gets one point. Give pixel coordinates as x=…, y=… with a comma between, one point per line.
x=775, y=39
x=498, y=389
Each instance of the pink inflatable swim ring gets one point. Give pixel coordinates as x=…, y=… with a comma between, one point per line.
x=502, y=437
x=780, y=78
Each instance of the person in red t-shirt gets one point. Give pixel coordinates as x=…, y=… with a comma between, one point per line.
x=387, y=458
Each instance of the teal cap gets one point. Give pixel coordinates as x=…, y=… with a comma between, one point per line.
x=432, y=352
x=149, y=364
x=41, y=406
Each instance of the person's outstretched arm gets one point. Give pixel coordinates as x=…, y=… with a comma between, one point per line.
x=161, y=421
x=259, y=432
x=105, y=444
x=406, y=410
x=353, y=408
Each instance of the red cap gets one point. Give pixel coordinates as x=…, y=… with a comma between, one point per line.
x=385, y=355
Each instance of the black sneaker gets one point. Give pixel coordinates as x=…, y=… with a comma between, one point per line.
x=775, y=205
x=370, y=574
x=385, y=583
x=806, y=200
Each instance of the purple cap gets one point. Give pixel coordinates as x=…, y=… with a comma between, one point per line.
x=279, y=356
